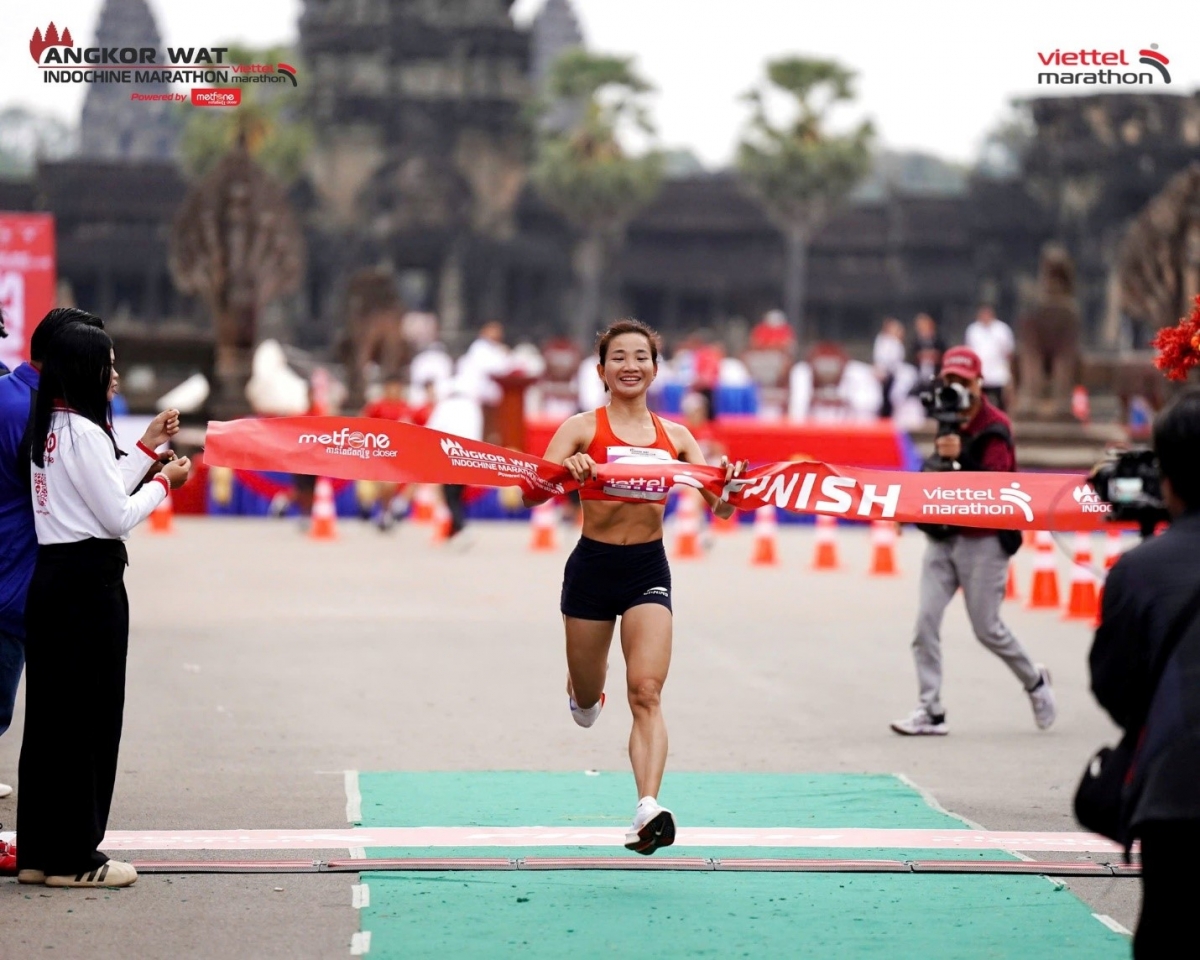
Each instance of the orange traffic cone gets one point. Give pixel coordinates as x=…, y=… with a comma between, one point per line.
x=766, y=538
x=441, y=521
x=825, y=556
x=424, y=501
x=162, y=520
x=1043, y=594
x=544, y=522
x=883, y=549
x=1113, y=548
x=1082, y=600
x=687, y=527
x=324, y=514
x=1010, y=587
x=728, y=525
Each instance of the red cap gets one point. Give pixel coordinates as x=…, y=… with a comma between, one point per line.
x=962, y=362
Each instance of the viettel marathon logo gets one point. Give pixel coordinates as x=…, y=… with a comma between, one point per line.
x=976, y=502
x=1095, y=67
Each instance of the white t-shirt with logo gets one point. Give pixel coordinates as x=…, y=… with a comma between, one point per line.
x=84, y=491
x=994, y=344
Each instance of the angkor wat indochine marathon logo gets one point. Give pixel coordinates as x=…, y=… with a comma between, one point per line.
x=1103, y=67
x=61, y=61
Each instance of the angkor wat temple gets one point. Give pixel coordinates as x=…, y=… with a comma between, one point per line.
x=420, y=166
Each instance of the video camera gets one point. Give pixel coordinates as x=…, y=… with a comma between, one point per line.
x=1131, y=483
x=946, y=403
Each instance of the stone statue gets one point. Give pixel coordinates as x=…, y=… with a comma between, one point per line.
x=1158, y=266
x=237, y=245
x=1048, y=336
x=373, y=331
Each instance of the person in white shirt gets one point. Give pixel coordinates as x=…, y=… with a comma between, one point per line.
x=888, y=358
x=992, y=340
x=86, y=500
x=458, y=412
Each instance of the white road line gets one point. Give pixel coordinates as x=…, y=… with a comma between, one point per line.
x=360, y=896
x=360, y=944
x=1112, y=924
x=358, y=853
x=353, y=797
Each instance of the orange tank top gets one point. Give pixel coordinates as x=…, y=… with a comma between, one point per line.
x=607, y=447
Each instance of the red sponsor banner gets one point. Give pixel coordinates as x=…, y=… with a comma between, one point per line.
x=216, y=96
x=366, y=449
x=27, y=279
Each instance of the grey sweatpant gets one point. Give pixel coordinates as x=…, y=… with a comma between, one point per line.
x=980, y=566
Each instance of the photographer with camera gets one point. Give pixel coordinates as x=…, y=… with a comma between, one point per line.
x=1145, y=665
x=973, y=436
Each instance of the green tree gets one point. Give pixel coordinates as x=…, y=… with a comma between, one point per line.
x=271, y=120
x=799, y=171
x=583, y=170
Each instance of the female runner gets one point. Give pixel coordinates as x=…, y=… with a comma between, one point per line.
x=619, y=567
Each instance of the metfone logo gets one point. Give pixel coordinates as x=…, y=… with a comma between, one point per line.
x=352, y=443
x=216, y=96
x=1089, y=500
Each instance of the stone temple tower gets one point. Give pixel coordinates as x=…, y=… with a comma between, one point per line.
x=555, y=30
x=420, y=153
x=113, y=127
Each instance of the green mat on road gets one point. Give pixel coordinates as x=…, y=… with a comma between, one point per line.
x=632, y=914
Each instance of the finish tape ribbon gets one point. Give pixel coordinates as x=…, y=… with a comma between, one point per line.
x=384, y=450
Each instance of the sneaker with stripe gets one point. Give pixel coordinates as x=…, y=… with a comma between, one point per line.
x=113, y=873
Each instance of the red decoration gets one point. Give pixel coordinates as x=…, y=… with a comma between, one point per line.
x=1179, y=346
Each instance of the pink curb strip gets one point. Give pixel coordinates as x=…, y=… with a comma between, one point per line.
x=434, y=837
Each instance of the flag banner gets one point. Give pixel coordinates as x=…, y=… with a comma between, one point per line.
x=354, y=448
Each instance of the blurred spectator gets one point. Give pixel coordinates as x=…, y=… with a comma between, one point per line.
x=829, y=386
x=992, y=340
x=591, y=389
x=698, y=417
x=457, y=412
x=385, y=504
x=486, y=357
x=888, y=357
x=706, y=366
x=927, y=348
x=773, y=332
x=430, y=370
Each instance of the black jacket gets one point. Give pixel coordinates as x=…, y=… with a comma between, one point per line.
x=1145, y=591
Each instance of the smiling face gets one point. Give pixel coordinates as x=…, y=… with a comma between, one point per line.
x=628, y=368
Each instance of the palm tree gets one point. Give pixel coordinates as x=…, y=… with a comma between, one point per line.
x=271, y=120
x=798, y=171
x=582, y=169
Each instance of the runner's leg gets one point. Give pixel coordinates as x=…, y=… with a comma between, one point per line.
x=646, y=643
x=587, y=658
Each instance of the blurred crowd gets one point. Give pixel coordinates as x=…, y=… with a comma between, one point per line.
x=699, y=376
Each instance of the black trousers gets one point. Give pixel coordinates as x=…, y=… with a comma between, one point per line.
x=1170, y=889
x=76, y=640
x=453, y=492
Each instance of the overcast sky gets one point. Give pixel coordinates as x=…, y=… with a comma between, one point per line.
x=934, y=75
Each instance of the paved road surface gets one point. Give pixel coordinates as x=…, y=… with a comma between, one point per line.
x=263, y=665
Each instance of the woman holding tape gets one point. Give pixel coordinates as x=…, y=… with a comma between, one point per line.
x=619, y=567
x=85, y=502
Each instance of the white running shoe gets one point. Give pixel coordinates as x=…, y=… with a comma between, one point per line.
x=5, y=790
x=585, y=717
x=653, y=827
x=1042, y=697
x=114, y=873
x=920, y=724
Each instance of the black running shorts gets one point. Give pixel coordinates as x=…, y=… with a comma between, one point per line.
x=603, y=580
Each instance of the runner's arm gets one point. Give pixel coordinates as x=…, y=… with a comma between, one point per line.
x=566, y=447
x=689, y=452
